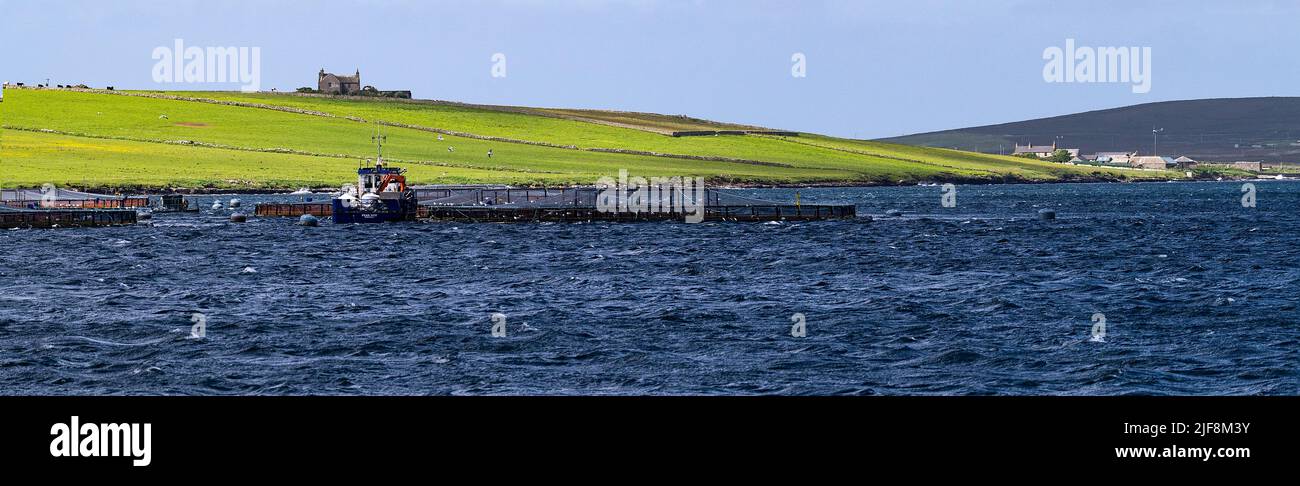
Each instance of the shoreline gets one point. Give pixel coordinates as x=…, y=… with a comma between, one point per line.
x=199, y=191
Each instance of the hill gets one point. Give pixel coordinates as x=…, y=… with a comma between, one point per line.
x=227, y=140
x=1228, y=129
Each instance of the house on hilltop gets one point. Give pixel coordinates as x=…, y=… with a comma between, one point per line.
x=333, y=84
x=329, y=83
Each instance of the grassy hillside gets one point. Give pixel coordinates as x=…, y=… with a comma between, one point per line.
x=235, y=140
x=33, y=158
x=1213, y=130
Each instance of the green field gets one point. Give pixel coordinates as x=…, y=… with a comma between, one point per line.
x=137, y=141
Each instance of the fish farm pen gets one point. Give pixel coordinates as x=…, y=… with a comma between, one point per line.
x=63, y=198
x=507, y=204
x=64, y=218
x=322, y=210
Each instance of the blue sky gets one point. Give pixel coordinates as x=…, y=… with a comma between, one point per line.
x=874, y=68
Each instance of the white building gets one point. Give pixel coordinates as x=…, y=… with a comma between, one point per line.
x=1117, y=158
x=1042, y=151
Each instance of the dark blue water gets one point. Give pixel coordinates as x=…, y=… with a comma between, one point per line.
x=1199, y=296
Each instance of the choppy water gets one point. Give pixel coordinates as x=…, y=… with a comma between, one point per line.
x=1199, y=296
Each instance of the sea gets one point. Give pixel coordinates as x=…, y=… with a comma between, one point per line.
x=1133, y=289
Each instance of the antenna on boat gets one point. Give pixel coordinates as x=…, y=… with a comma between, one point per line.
x=379, y=140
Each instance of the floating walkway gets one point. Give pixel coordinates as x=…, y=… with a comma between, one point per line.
x=64, y=218
x=574, y=204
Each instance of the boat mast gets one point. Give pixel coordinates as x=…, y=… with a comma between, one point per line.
x=379, y=141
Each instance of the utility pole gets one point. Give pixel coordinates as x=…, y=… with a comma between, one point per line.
x=1155, y=133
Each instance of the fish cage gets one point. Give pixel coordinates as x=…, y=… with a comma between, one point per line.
x=175, y=203
x=65, y=198
x=502, y=204
x=321, y=210
x=64, y=218
x=511, y=204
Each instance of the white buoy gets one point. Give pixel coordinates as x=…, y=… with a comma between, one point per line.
x=216, y=205
x=893, y=213
x=234, y=203
x=308, y=220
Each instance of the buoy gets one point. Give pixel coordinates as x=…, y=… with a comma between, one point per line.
x=216, y=205
x=143, y=216
x=308, y=220
x=893, y=213
x=1046, y=214
x=234, y=203
x=238, y=218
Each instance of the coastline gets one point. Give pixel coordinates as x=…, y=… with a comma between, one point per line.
x=144, y=191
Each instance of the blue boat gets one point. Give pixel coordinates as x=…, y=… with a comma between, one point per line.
x=380, y=196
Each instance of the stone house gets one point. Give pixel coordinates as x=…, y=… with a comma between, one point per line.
x=329, y=83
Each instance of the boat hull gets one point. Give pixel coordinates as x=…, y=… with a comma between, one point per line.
x=387, y=211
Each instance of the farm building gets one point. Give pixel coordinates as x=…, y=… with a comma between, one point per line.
x=1117, y=158
x=333, y=84
x=330, y=83
x=1152, y=162
x=1250, y=166
x=1042, y=150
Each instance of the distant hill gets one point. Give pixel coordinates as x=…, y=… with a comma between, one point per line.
x=1227, y=129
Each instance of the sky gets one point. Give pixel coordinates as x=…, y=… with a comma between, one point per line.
x=871, y=68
